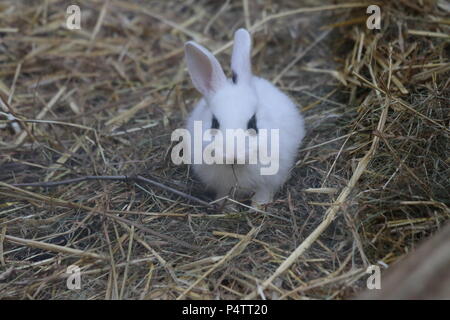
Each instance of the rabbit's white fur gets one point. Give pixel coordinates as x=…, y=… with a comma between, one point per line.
x=233, y=104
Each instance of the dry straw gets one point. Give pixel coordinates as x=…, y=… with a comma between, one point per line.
x=85, y=171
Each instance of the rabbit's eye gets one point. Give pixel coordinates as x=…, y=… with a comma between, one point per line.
x=251, y=124
x=234, y=77
x=215, y=123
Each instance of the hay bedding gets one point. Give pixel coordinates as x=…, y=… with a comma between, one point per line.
x=371, y=181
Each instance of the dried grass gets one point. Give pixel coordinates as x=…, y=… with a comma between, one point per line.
x=372, y=179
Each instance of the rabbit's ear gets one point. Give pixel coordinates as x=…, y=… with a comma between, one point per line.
x=241, y=58
x=204, y=69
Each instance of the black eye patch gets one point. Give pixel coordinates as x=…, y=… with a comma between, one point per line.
x=234, y=77
x=251, y=124
x=215, y=123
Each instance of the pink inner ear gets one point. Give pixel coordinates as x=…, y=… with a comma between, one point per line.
x=204, y=69
x=203, y=74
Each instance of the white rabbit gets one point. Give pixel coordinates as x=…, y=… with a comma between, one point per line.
x=246, y=102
